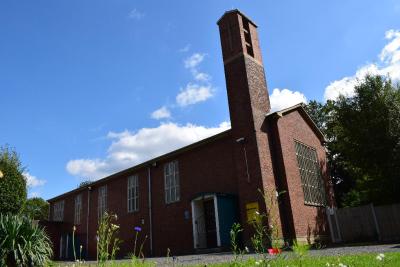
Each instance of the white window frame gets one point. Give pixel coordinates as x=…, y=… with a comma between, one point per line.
x=58, y=211
x=133, y=193
x=78, y=209
x=171, y=182
x=101, y=201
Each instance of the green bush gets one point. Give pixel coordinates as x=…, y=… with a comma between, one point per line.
x=36, y=208
x=12, y=182
x=22, y=243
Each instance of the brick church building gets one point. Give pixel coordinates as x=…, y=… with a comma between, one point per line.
x=187, y=200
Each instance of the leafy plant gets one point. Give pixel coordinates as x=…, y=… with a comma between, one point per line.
x=301, y=251
x=107, y=242
x=22, y=243
x=260, y=236
x=237, y=251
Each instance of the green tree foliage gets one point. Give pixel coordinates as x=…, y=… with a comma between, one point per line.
x=12, y=182
x=22, y=242
x=363, y=140
x=37, y=208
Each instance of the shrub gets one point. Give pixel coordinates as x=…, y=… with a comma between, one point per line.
x=12, y=182
x=22, y=243
x=36, y=208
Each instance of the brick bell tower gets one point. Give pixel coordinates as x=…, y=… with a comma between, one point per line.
x=248, y=104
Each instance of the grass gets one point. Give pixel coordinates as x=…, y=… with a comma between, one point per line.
x=391, y=259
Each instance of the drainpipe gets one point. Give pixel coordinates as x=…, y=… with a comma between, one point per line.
x=150, y=215
x=87, y=221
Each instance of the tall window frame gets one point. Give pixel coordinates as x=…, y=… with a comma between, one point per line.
x=102, y=201
x=171, y=182
x=58, y=211
x=78, y=209
x=133, y=193
x=312, y=182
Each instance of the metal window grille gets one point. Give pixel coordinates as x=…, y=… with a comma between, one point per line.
x=311, y=176
x=58, y=211
x=78, y=209
x=171, y=179
x=102, y=201
x=133, y=193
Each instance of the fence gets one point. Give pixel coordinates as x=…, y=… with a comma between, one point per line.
x=365, y=223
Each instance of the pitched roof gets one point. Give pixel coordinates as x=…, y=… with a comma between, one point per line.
x=149, y=162
x=299, y=107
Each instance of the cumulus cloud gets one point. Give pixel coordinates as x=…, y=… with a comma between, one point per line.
x=284, y=98
x=194, y=60
x=194, y=93
x=161, y=113
x=136, y=14
x=33, y=181
x=130, y=148
x=388, y=64
x=192, y=63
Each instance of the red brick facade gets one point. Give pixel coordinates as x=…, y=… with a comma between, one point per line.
x=228, y=169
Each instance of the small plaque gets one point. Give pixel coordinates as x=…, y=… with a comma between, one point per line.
x=251, y=209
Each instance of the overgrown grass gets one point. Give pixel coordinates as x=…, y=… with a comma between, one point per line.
x=391, y=259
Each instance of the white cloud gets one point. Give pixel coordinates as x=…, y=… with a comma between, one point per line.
x=194, y=93
x=33, y=181
x=136, y=14
x=161, y=113
x=284, y=98
x=194, y=60
x=201, y=76
x=388, y=64
x=130, y=148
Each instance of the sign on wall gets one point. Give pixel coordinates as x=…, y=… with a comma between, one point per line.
x=251, y=209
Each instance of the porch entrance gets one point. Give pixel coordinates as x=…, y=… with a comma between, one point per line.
x=210, y=223
x=212, y=217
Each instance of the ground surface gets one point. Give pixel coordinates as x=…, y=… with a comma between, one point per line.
x=203, y=259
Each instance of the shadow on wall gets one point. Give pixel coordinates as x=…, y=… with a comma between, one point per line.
x=319, y=233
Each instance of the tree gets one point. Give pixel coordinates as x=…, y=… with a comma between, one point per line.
x=363, y=141
x=367, y=138
x=84, y=183
x=37, y=208
x=12, y=182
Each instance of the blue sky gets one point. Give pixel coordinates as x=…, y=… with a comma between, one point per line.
x=88, y=88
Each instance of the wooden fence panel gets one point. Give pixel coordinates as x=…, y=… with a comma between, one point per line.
x=388, y=218
x=365, y=223
x=356, y=224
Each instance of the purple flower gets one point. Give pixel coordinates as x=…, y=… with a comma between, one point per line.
x=138, y=229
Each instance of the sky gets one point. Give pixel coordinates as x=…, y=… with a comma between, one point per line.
x=88, y=88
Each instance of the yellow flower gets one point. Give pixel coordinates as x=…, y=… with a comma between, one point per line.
x=1, y=174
